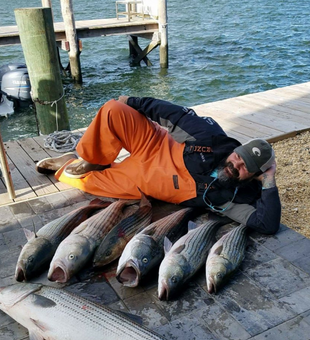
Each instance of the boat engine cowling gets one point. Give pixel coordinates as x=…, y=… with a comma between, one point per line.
x=15, y=87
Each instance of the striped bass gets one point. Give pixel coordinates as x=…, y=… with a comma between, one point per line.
x=115, y=241
x=76, y=249
x=146, y=249
x=37, y=253
x=183, y=259
x=225, y=256
x=55, y=314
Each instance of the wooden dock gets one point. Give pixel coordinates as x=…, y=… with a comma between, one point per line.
x=273, y=115
x=90, y=29
x=134, y=19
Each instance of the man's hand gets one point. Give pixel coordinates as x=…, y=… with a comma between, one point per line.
x=123, y=99
x=268, y=177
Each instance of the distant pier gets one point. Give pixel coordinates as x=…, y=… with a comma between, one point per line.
x=136, y=19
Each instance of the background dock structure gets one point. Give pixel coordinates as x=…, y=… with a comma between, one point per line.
x=267, y=299
x=145, y=19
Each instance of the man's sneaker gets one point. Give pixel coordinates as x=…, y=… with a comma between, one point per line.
x=52, y=164
x=82, y=168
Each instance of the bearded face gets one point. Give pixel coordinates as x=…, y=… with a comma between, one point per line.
x=228, y=175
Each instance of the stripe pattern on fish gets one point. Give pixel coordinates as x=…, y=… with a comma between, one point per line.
x=225, y=257
x=51, y=313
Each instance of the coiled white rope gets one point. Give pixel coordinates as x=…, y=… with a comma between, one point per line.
x=62, y=141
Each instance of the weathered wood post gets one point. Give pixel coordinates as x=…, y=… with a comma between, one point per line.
x=38, y=41
x=48, y=3
x=6, y=171
x=71, y=36
x=163, y=29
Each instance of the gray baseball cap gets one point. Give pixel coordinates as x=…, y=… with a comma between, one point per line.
x=258, y=155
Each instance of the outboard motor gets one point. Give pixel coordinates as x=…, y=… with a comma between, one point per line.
x=15, y=88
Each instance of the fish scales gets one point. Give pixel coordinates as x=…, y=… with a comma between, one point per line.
x=94, y=316
x=234, y=243
x=52, y=313
x=224, y=257
x=62, y=226
x=163, y=226
x=97, y=225
x=143, y=216
x=185, y=257
x=195, y=246
x=115, y=241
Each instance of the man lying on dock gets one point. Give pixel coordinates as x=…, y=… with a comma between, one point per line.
x=191, y=162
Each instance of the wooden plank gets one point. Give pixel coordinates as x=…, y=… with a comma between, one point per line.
x=300, y=92
x=4, y=196
x=36, y=152
x=33, y=149
x=88, y=29
x=41, y=185
x=284, y=99
x=266, y=117
x=22, y=189
x=278, y=111
x=229, y=120
x=282, y=102
x=239, y=136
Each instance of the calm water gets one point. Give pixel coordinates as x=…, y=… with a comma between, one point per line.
x=217, y=49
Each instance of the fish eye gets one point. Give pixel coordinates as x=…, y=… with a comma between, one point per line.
x=219, y=275
x=71, y=256
x=108, y=252
x=145, y=260
x=174, y=279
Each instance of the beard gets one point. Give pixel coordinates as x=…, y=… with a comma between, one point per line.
x=230, y=180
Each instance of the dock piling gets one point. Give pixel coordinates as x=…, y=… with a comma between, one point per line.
x=163, y=29
x=71, y=36
x=38, y=41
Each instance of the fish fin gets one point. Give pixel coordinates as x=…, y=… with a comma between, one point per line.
x=218, y=250
x=42, y=301
x=179, y=249
x=34, y=229
x=98, y=201
x=127, y=202
x=167, y=244
x=148, y=231
x=95, y=201
x=34, y=335
x=29, y=234
x=136, y=318
x=145, y=201
x=192, y=225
